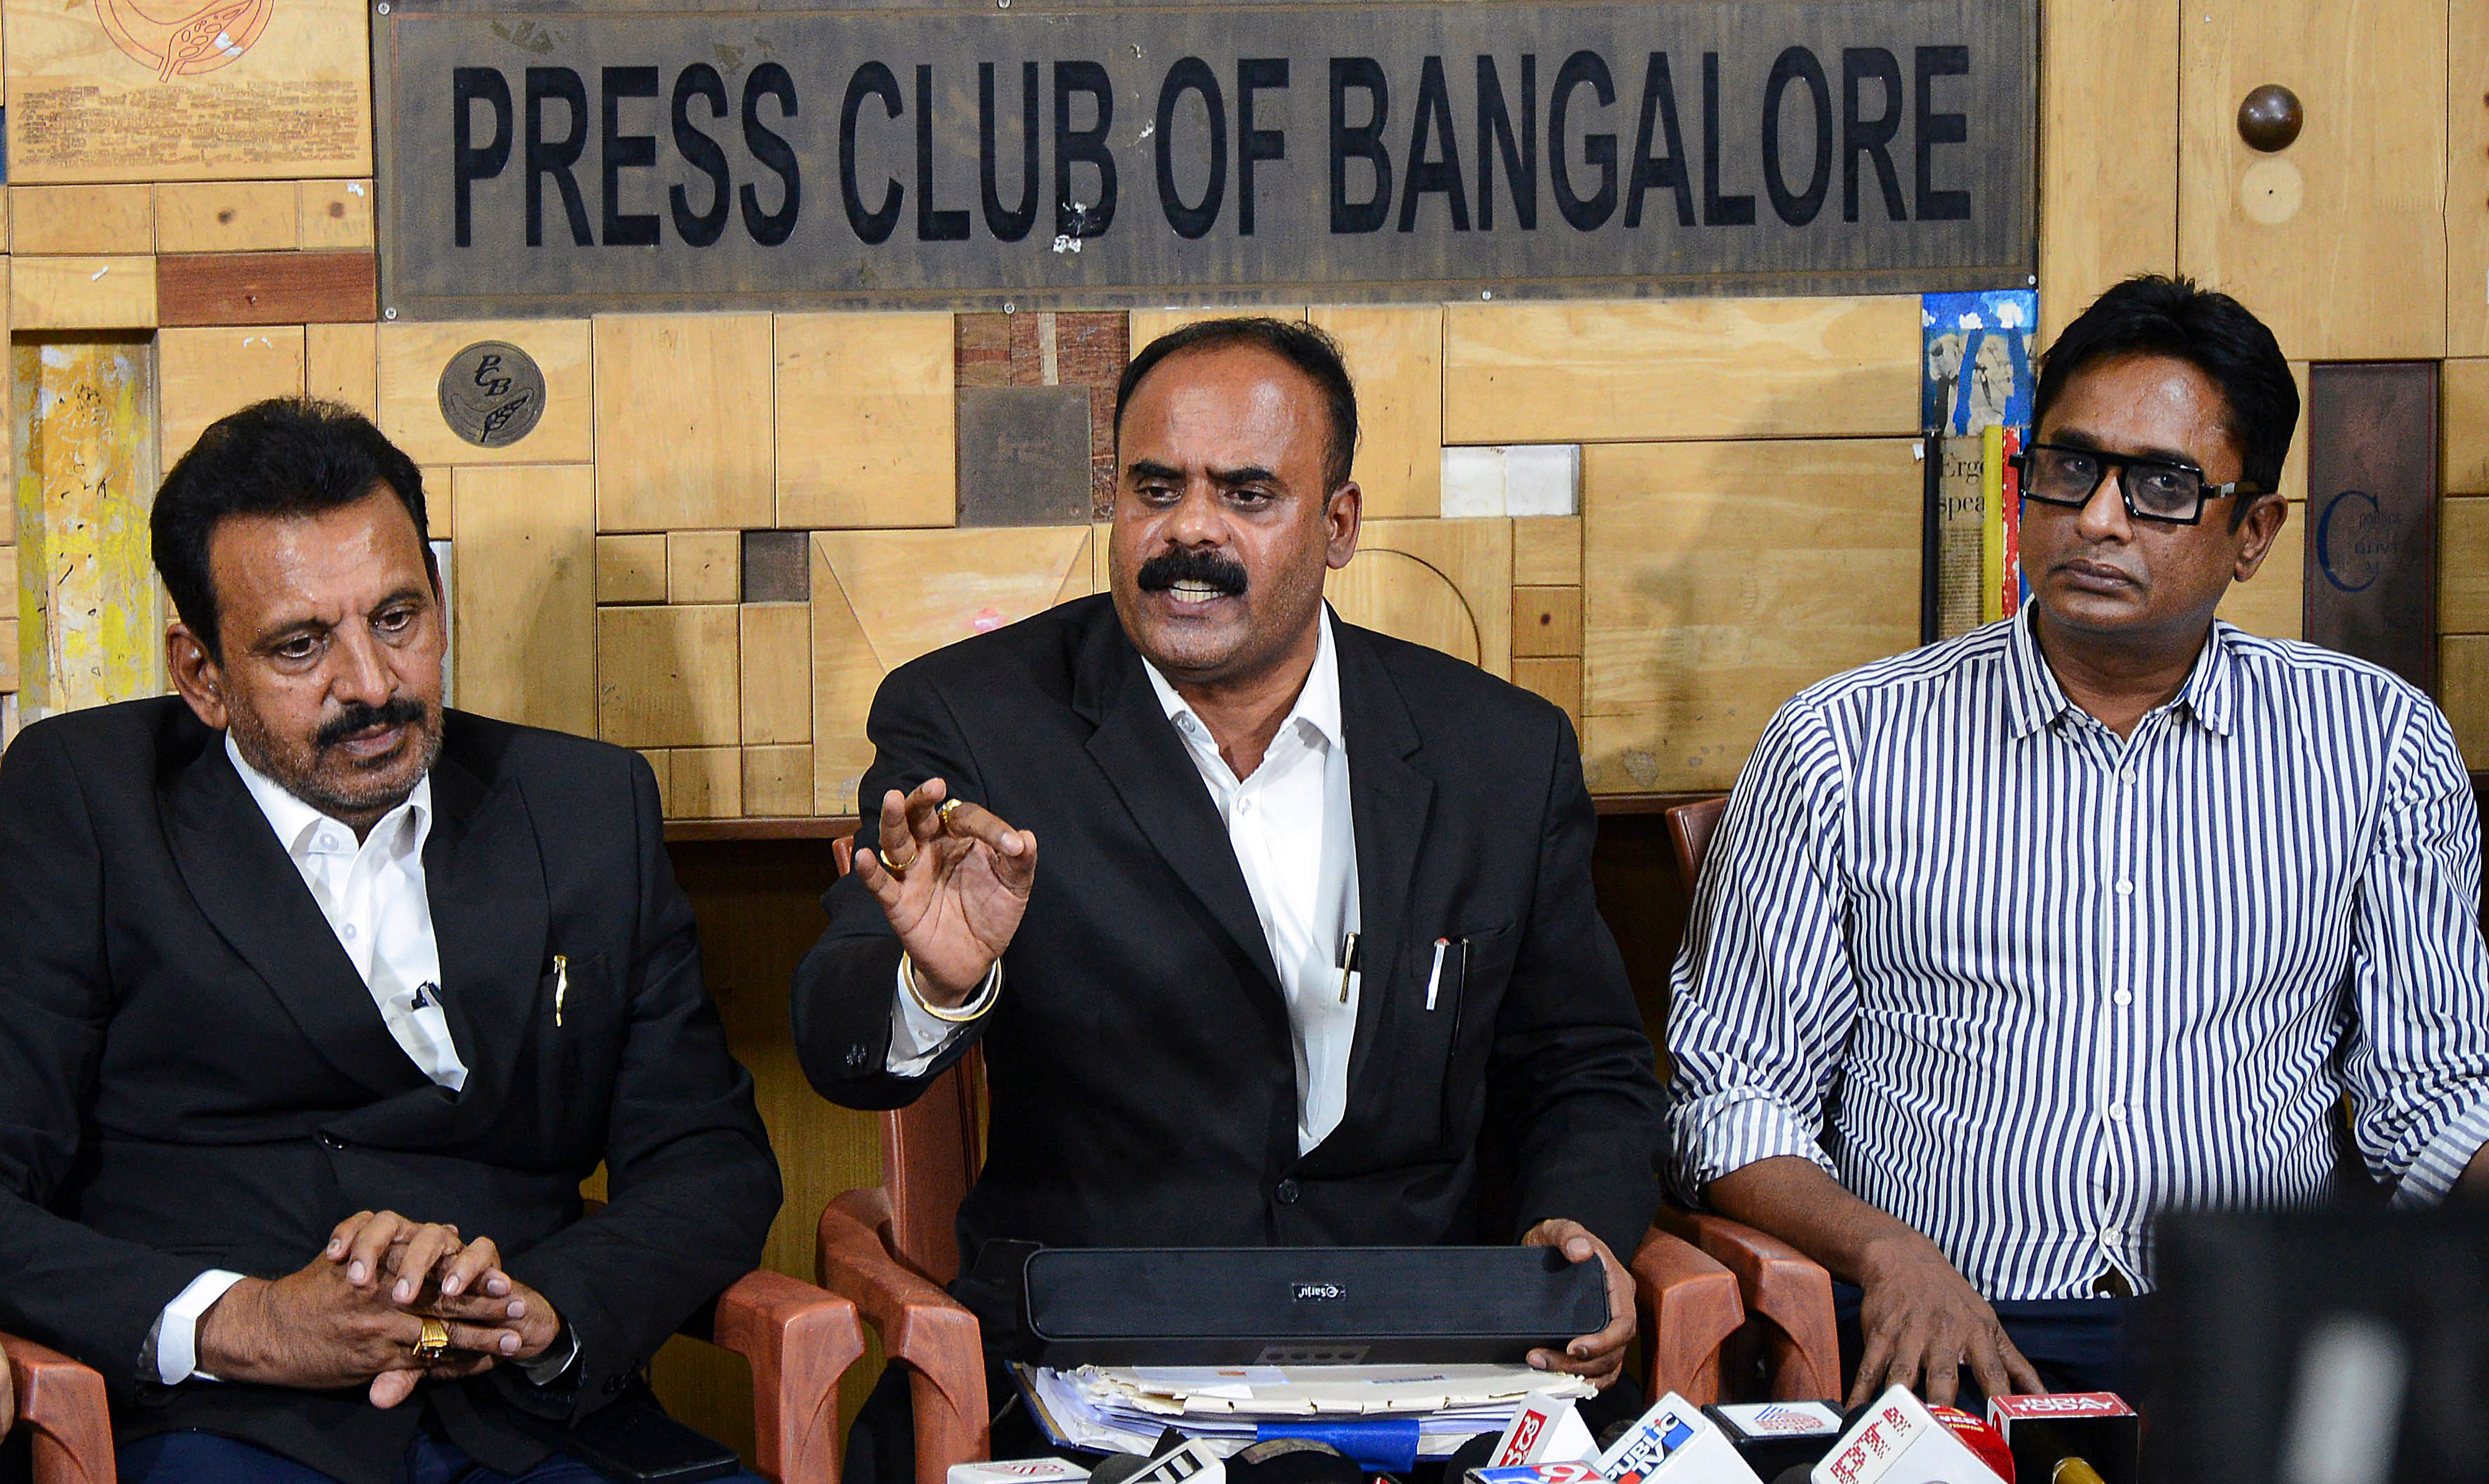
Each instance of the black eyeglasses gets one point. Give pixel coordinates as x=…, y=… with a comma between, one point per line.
x=2153, y=489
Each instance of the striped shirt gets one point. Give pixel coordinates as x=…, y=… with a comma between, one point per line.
x=2023, y=984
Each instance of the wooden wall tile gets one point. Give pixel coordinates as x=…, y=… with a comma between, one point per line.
x=1558, y=680
x=631, y=569
x=334, y=216
x=668, y=677
x=2108, y=176
x=87, y=594
x=2463, y=565
x=1722, y=577
x=1546, y=550
x=777, y=566
x=845, y=675
x=204, y=374
x=709, y=782
x=660, y=762
x=1443, y=583
x=777, y=781
x=1546, y=621
x=2463, y=693
x=411, y=361
x=2463, y=388
x=440, y=511
x=228, y=217
x=778, y=676
x=865, y=401
x=1698, y=368
x=703, y=566
x=683, y=422
x=341, y=363
x=525, y=592
x=1395, y=355
x=9, y=643
x=267, y=288
x=2467, y=179
x=85, y=220
x=81, y=294
x=2274, y=604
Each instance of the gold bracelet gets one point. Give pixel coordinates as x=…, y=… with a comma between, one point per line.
x=984, y=1000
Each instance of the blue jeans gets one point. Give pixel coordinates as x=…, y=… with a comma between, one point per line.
x=206, y=1458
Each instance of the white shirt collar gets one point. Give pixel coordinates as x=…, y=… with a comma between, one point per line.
x=297, y=824
x=1317, y=702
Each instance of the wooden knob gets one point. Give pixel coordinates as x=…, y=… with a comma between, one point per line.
x=2270, y=118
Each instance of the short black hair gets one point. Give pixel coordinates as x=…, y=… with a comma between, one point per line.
x=1294, y=341
x=2150, y=315
x=287, y=456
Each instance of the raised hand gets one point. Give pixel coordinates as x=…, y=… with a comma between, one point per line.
x=953, y=878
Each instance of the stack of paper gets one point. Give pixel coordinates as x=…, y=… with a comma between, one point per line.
x=1124, y=1408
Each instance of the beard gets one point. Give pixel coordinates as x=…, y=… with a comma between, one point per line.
x=317, y=772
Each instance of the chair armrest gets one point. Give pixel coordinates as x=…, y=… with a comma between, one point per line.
x=1687, y=1305
x=920, y=1325
x=61, y=1404
x=1781, y=1285
x=798, y=1341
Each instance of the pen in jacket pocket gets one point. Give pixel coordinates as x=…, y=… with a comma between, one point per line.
x=560, y=987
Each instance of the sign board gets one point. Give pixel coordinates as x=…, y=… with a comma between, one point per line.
x=632, y=157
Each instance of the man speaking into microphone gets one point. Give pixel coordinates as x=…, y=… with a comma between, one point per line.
x=1266, y=922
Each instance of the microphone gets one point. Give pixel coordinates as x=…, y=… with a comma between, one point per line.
x=1899, y=1441
x=1544, y=1429
x=2095, y=1430
x=1675, y=1444
x=1772, y=1437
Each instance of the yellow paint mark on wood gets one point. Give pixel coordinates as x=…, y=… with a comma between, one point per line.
x=87, y=593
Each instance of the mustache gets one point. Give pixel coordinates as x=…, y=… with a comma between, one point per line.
x=397, y=711
x=1189, y=565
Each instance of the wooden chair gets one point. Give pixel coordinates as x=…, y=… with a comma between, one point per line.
x=894, y=1248
x=797, y=1339
x=1789, y=1340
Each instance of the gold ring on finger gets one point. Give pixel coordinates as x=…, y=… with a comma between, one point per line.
x=948, y=807
x=434, y=1343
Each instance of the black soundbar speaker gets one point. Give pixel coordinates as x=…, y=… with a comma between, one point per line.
x=1304, y=1305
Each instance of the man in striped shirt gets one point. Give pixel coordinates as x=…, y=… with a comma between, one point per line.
x=2008, y=944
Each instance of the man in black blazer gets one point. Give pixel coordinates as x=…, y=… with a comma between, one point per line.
x=1183, y=1046
x=317, y=1002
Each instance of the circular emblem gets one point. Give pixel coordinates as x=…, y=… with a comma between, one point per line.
x=182, y=38
x=492, y=393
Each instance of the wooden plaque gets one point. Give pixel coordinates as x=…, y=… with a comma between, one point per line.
x=2372, y=496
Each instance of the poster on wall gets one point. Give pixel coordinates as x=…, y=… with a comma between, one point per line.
x=1976, y=406
x=626, y=155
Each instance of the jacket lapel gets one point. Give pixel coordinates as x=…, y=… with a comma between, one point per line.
x=250, y=892
x=484, y=875
x=1143, y=759
x=1390, y=800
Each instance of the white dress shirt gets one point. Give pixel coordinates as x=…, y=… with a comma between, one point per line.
x=1294, y=839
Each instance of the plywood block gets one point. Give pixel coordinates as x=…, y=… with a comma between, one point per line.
x=2337, y=243
x=81, y=293
x=1720, y=579
x=228, y=217
x=777, y=781
x=668, y=677
x=333, y=216
x=525, y=594
x=866, y=402
x=631, y=569
x=81, y=219
x=2463, y=566
x=411, y=358
x=2463, y=693
x=703, y=566
x=341, y=363
x=709, y=782
x=660, y=762
x=777, y=566
x=1546, y=621
x=9, y=645
x=269, y=288
x=2467, y=179
x=2108, y=176
x=1443, y=583
x=2274, y=602
x=683, y=422
x=1395, y=355
x=778, y=674
x=1546, y=550
x=872, y=613
x=1697, y=368
x=2464, y=386
x=1558, y=680
x=202, y=374
x=255, y=93
x=440, y=511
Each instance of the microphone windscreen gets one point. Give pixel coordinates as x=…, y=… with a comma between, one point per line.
x=1794, y=1473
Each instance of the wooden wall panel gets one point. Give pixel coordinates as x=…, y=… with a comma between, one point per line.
x=2464, y=425
x=341, y=363
x=2108, y=172
x=83, y=220
x=1721, y=578
x=684, y=426
x=1546, y=622
x=2463, y=565
x=1702, y=368
x=2338, y=241
x=334, y=216
x=83, y=413
x=228, y=217
x=1147, y=324
x=709, y=782
x=1395, y=357
x=631, y=569
x=204, y=374
x=778, y=676
x=1443, y=583
x=410, y=361
x=267, y=288
x=2467, y=179
x=2463, y=693
x=703, y=566
x=2274, y=604
x=778, y=781
x=1546, y=550
x=668, y=677
x=868, y=421
x=86, y=293
x=525, y=592
x=1558, y=680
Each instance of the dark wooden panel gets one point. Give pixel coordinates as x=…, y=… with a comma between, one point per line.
x=267, y=288
x=1024, y=455
x=777, y=566
x=2372, y=500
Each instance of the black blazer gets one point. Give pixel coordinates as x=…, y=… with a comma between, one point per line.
x=1140, y=1059
x=194, y=1077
